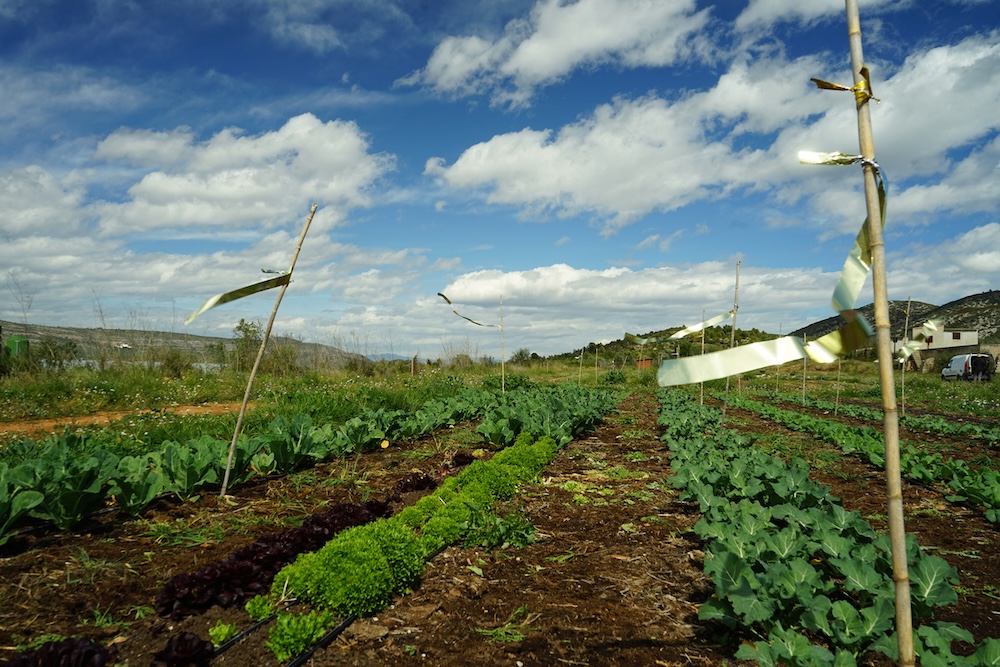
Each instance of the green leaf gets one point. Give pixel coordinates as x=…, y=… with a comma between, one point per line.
x=844, y=659
x=816, y=617
x=715, y=609
x=727, y=571
x=749, y=606
x=988, y=653
x=940, y=635
x=759, y=652
x=847, y=626
x=879, y=618
x=932, y=581
x=858, y=575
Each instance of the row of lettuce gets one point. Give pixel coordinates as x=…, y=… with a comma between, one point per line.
x=960, y=481
x=359, y=571
x=63, y=487
x=800, y=580
x=361, y=567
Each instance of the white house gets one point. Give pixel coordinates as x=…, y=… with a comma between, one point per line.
x=946, y=339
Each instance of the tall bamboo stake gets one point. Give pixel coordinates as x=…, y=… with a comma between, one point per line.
x=732, y=336
x=260, y=353
x=890, y=426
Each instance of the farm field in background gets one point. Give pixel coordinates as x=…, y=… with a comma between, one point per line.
x=615, y=571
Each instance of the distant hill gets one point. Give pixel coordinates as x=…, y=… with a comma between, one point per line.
x=977, y=311
x=122, y=344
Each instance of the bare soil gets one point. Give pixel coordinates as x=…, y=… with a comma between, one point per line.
x=616, y=578
x=36, y=427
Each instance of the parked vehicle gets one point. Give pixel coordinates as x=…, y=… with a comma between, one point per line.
x=969, y=367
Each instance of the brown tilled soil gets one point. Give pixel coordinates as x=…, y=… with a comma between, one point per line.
x=616, y=578
x=42, y=427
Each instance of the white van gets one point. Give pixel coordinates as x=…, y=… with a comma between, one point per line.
x=969, y=367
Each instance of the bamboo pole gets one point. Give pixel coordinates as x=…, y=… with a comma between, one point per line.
x=894, y=490
x=732, y=337
x=260, y=353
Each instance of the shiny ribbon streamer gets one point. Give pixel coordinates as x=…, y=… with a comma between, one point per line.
x=632, y=338
x=220, y=299
x=478, y=324
x=862, y=89
x=859, y=260
x=694, y=328
x=746, y=358
x=929, y=328
x=825, y=349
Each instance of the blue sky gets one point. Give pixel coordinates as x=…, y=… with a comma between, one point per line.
x=600, y=164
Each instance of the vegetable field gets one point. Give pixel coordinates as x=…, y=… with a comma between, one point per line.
x=550, y=524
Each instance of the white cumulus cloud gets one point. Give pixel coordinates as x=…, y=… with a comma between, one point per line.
x=233, y=179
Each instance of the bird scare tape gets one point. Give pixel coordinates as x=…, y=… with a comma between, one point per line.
x=862, y=89
x=220, y=299
x=478, y=324
x=826, y=349
x=929, y=328
x=687, y=331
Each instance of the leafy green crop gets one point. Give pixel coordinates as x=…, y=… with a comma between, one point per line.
x=190, y=467
x=487, y=529
x=809, y=582
x=71, y=486
x=15, y=502
x=966, y=484
x=136, y=483
x=292, y=634
x=259, y=607
x=221, y=632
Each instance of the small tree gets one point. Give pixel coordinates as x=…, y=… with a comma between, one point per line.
x=522, y=356
x=56, y=354
x=247, y=337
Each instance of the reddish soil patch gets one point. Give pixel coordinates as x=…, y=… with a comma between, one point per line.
x=45, y=426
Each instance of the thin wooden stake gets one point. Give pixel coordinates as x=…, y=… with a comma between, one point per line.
x=894, y=488
x=777, y=368
x=701, y=401
x=503, y=368
x=805, y=361
x=260, y=353
x=732, y=336
x=836, y=403
x=902, y=371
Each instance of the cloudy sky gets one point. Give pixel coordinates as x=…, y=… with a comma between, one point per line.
x=600, y=164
